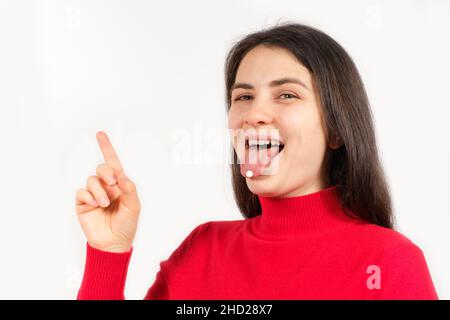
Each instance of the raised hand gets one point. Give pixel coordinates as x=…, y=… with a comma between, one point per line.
x=108, y=209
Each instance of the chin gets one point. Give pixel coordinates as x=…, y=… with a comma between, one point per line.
x=265, y=185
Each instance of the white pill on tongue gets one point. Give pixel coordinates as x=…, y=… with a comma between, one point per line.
x=256, y=161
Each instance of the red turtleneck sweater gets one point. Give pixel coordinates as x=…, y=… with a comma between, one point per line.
x=301, y=247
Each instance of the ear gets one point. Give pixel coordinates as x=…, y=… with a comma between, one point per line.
x=336, y=142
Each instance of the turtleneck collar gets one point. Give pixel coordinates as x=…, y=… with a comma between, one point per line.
x=291, y=216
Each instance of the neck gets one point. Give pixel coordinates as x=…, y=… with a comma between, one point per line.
x=305, y=214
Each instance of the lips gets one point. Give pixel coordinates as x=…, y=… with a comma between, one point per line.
x=257, y=149
x=261, y=154
x=271, y=146
x=259, y=160
x=273, y=136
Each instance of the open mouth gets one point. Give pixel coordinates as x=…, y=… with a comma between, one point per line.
x=262, y=152
x=257, y=153
x=264, y=146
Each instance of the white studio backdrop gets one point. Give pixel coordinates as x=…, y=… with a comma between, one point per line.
x=150, y=72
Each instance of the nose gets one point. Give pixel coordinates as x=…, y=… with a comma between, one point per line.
x=258, y=114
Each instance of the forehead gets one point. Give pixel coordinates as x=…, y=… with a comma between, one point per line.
x=263, y=64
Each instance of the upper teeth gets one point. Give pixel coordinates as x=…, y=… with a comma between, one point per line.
x=252, y=143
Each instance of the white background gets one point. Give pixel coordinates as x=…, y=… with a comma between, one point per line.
x=143, y=71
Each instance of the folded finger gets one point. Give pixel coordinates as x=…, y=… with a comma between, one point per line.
x=83, y=196
x=106, y=173
x=95, y=186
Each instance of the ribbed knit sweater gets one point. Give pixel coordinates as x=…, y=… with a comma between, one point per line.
x=302, y=247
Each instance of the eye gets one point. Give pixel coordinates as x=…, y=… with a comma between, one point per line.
x=284, y=94
x=288, y=94
x=239, y=98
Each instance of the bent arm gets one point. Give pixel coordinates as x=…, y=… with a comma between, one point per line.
x=105, y=275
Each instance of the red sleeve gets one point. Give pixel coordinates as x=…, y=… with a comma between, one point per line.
x=405, y=275
x=104, y=275
x=105, y=272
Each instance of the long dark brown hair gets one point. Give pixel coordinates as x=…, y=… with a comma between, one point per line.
x=354, y=167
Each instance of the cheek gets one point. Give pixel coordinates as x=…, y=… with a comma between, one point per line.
x=313, y=142
x=292, y=123
x=234, y=126
x=305, y=132
x=233, y=119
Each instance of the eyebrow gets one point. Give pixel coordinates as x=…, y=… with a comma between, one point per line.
x=273, y=83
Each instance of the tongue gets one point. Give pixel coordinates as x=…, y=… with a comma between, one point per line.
x=256, y=161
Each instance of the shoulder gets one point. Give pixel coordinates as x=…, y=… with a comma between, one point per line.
x=382, y=238
x=220, y=228
x=204, y=239
x=384, y=241
x=401, y=264
x=211, y=235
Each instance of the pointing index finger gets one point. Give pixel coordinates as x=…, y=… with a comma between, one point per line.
x=108, y=151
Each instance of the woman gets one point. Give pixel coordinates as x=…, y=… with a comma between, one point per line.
x=318, y=222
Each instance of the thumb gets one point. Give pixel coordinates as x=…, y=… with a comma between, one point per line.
x=129, y=193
